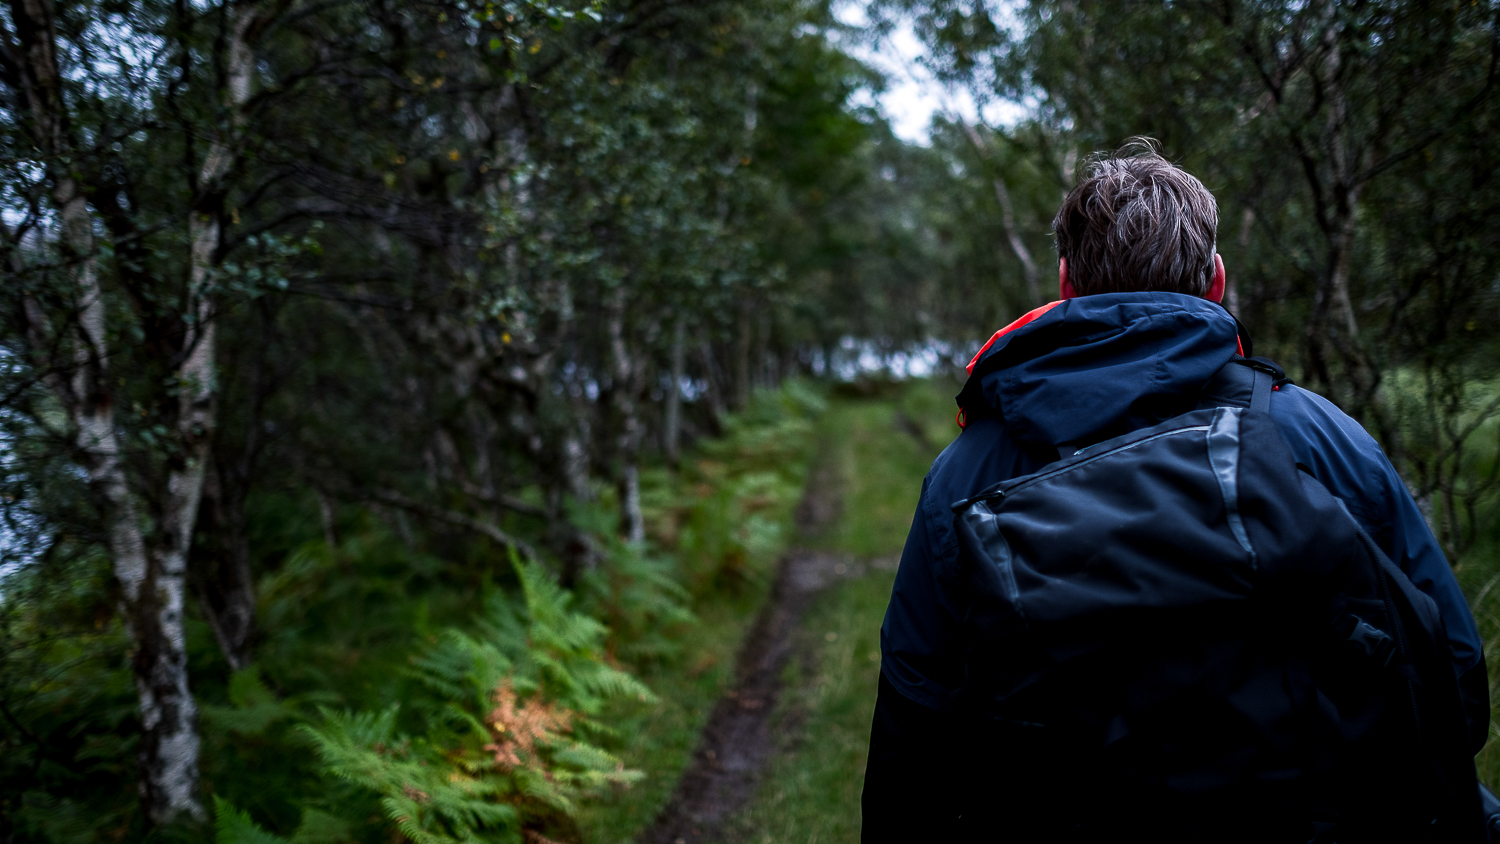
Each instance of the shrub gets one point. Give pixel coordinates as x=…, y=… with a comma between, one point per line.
x=503, y=743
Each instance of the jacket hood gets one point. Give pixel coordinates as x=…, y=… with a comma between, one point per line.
x=1094, y=367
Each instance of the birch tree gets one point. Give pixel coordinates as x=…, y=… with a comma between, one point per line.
x=72, y=345
x=95, y=303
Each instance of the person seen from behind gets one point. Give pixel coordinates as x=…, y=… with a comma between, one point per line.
x=1135, y=339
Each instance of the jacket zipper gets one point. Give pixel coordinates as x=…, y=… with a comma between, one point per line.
x=1001, y=493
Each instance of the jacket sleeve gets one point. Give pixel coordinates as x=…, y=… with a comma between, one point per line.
x=1348, y=461
x=1410, y=544
x=910, y=790
x=921, y=649
x=912, y=778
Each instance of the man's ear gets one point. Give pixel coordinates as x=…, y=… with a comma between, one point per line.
x=1216, y=287
x=1064, y=288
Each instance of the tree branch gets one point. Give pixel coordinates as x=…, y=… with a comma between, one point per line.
x=455, y=518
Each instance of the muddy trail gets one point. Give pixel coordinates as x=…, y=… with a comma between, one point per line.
x=736, y=742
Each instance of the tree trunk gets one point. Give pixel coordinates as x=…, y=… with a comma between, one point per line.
x=743, y=339
x=1231, y=289
x=1334, y=325
x=572, y=544
x=219, y=563
x=575, y=462
x=632, y=522
x=230, y=595
x=328, y=516
x=1332, y=329
x=715, y=378
x=1008, y=219
x=1028, y=266
x=219, y=568
x=151, y=576
x=672, y=425
x=764, y=365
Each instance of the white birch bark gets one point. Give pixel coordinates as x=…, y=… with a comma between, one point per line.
x=196, y=379
x=168, y=710
x=151, y=587
x=631, y=519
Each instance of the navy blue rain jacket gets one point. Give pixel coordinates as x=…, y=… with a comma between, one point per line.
x=1088, y=369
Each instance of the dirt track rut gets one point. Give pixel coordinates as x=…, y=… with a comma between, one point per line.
x=736, y=742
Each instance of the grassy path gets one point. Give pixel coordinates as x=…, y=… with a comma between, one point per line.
x=734, y=745
x=809, y=792
x=763, y=736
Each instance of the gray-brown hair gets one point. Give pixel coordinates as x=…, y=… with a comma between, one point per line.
x=1137, y=222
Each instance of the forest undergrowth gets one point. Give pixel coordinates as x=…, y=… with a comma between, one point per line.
x=678, y=613
x=438, y=688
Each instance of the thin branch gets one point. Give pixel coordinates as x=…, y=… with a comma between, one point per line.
x=1008, y=219
x=508, y=502
x=1007, y=216
x=455, y=518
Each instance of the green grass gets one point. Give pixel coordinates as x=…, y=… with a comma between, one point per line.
x=814, y=783
x=810, y=793
x=880, y=467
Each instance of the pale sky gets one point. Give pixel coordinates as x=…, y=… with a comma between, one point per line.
x=912, y=94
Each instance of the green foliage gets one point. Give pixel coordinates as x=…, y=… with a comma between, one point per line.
x=503, y=741
x=253, y=707
x=1451, y=437
x=68, y=703
x=727, y=518
x=636, y=592
x=232, y=826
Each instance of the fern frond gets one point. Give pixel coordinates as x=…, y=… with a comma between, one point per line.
x=320, y=827
x=232, y=826
x=532, y=784
x=585, y=757
x=495, y=747
x=254, y=707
